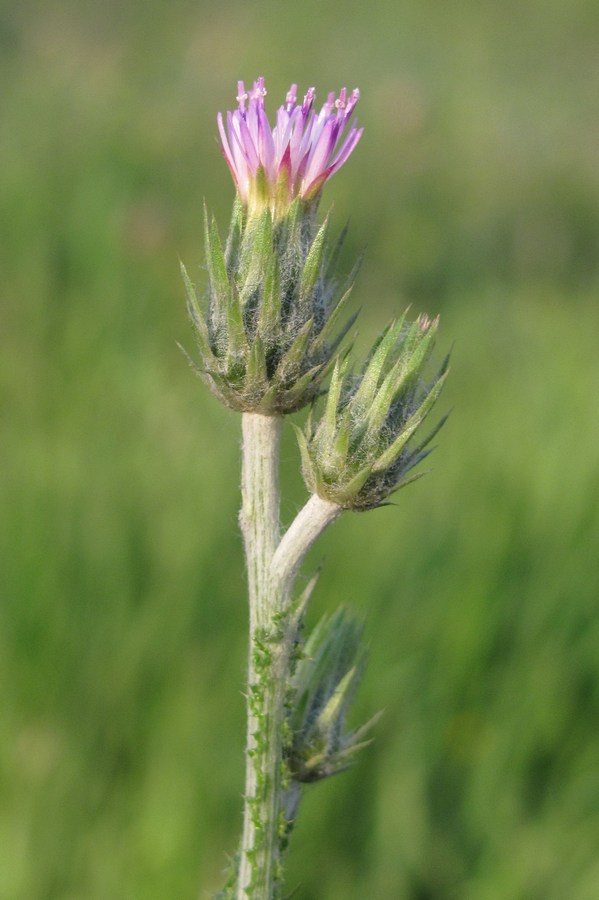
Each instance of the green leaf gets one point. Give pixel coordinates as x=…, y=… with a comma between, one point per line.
x=341, y=446
x=270, y=306
x=306, y=459
x=215, y=259
x=333, y=258
x=236, y=338
x=390, y=455
x=197, y=317
x=256, y=371
x=354, y=486
x=291, y=361
x=417, y=451
x=381, y=404
x=342, y=332
x=201, y=373
x=398, y=380
x=411, y=360
x=329, y=420
x=329, y=327
x=221, y=388
x=296, y=394
x=234, y=237
x=193, y=305
x=287, y=232
x=309, y=424
x=354, y=739
x=408, y=339
x=331, y=714
x=406, y=481
x=256, y=253
x=364, y=396
x=299, y=606
x=312, y=267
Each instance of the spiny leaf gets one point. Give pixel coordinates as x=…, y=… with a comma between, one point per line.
x=309, y=424
x=353, y=738
x=354, y=486
x=387, y=458
x=234, y=236
x=408, y=338
x=398, y=380
x=406, y=481
x=293, y=394
x=333, y=258
x=215, y=259
x=307, y=468
x=201, y=373
x=236, y=337
x=341, y=447
x=270, y=304
x=299, y=606
x=221, y=388
x=410, y=362
x=379, y=409
x=195, y=313
x=256, y=370
x=431, y=435
x=370, y=379
x=292, y=359
x=256, y=251
x=343, y=331
x=313, y=265
x=390, y=455
x=287, y=232
x=328, y=718
x=329, y=327
x=329, y=419
x=326, y=368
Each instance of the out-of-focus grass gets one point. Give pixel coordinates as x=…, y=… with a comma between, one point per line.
x=122, y=622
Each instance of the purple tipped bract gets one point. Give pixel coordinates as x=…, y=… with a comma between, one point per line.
x=273, y=166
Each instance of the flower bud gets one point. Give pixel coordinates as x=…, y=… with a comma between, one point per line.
x=360, y=451
x=323, y=686
x=268, y=327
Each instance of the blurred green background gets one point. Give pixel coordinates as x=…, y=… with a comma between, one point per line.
x=475, y=190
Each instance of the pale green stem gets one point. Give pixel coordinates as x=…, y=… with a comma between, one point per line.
x=316, y=515
x=259, y=519
x=271, y=575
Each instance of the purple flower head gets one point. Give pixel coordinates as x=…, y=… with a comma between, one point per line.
x=273, y=166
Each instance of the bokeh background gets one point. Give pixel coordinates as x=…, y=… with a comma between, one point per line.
x=475, y=191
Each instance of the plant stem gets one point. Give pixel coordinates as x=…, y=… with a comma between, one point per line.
x=259, y=515
x=270, y=801
x=316, y=515
x=259, y=519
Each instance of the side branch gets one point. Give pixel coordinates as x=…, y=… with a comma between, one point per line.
x=316, y=515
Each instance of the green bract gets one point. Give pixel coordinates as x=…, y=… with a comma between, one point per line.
x=324, y=684
x=359, y=452
x=267, y=329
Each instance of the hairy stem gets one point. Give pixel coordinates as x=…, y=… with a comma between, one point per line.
x=309, y=523
x=259, y=515
x=259, y=519
x=272, y=564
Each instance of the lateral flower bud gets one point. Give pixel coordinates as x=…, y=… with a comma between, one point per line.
x=273, y=166
x=360, y=451
x=272, y=318
x=324, y=685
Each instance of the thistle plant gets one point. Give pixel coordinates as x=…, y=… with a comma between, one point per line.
x=270, y=327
